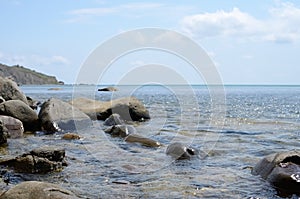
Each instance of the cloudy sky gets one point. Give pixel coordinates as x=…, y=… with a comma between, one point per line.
x=250, y=42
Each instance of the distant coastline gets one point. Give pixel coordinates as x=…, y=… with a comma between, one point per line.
x=25, y=76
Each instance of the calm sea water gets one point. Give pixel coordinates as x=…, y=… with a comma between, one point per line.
x=233, y=132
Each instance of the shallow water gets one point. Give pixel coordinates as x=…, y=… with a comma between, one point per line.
x=258, y=120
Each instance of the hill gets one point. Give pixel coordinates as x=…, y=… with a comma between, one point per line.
x=23, y=75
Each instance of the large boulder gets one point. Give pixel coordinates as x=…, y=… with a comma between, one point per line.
x=41, y=160
x=57, y=115
x=129, y=108
x=18, y=109
x=9, y=90
x=3, y=134
x=282, y=170
x=37, y=190
x=13, y=126
x=180, y=151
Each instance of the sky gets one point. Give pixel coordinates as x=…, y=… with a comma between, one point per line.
x=249, y=42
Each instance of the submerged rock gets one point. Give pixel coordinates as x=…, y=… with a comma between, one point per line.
x=9, y=90
x=41, y=160
x=282, y=170
x=120, y=130
x=129, y=108
x=180, y=151
x=113, y=119
x=56, y=115
x=13, y=126
x=142, y=140
x=18, y=109
x=70, y=136
x=37, y=190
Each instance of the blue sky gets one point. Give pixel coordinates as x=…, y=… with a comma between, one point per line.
x=250, y=42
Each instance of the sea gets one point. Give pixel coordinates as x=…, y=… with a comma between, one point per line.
x=232, y=126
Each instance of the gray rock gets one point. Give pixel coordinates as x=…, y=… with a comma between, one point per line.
x=113, y=119
x=120, y=130
x=180, y=151
x=14, y=126
x=37, y=190
x=9, y=90
x=33, y=103
x=56, y=115
x=18, y=109
x=142, y=140
x=282, y=170
x=129, y=108
x=41, y=160
x=3, y=134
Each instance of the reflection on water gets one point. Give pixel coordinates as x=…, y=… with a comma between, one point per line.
x=259, y=121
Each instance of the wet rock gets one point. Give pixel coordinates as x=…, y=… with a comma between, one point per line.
x=41, y=160
x=9, y=90
x=56, y=115
x=113, y=119
x=33, y=103
x=110, y=88
x=70, y=136
x=13, y=126
x=37, y=190
x=142, y=140
x=56, y=154
x=21, y=111
x=282, y=170
x=129, y=108
x=180, y=151
x=3, y=134
x=120, y=130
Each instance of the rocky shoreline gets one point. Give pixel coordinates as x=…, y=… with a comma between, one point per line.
x=19, y=116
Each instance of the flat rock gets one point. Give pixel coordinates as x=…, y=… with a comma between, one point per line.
x=57, y=115
x=110, y=88
x=282, y=170
x=129, y=108
x=13, y=126
x=142, y=140
x=71, y=136
x=37, y=190
x=40, y=160
x=9, y=90
x=18, y=109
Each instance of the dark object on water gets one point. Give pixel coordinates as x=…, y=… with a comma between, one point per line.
x=110, y=88
x=282, y=170
x=179, y=151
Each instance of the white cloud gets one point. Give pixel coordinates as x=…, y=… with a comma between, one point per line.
x=282, y=24
x=85, y=14
x=33, y=60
